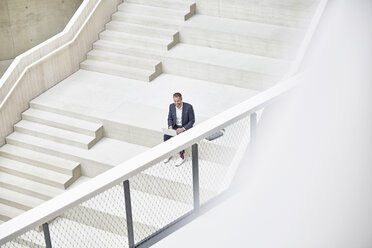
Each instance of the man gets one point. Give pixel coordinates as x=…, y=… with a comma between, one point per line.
x=180, y=118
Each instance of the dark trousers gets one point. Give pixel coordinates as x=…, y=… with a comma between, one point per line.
x=167, y=137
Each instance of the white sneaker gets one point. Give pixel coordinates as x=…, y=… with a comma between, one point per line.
x=167, y=160
x=179, y=161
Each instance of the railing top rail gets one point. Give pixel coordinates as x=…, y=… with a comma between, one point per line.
x=21, y=63
x=60, y=204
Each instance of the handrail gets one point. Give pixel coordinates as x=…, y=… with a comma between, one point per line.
x=60, y=204
x=295, y=65
x=22, y=62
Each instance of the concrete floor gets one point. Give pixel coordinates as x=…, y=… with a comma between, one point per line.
x=123, y=100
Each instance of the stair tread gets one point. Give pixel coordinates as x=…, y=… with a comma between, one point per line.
x=169, y=32
x=20, y=182
x=33, y=170
x=111, y=66
x=20, y=198
x=245, y=28
x=123, y=57
x=99, y=154
x=174, y=4
x=147, y=19
x=55, y=132
x=117, y=45
x=128, y=6
x=38, y=157
x=115, y=34
x=66, y=120
x=139, y=208
x=10, y=211
x=229, y=59
x=183, y=173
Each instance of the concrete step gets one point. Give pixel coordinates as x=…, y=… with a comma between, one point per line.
x=167, y=13
x=126, y=60
x=108, y=153
x=283, y=13
x=55, y=134
x=226, y=67
x=150, y=21
x=18, y=200
x=211, y=173
x=171, y=4
x=139, y=52
x=142, y=30
x=22, y=243
x=136, y=40
x=35, y=173
x=119, y=70
x=42, y=160
x=28, y=187
x=112, y=224
x=64, y=122
x=8, y=212
x=242, y=36
x=148, y=210
x=157, y=186
x=98, y=237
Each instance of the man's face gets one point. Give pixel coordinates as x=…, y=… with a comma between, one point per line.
x=177, y=101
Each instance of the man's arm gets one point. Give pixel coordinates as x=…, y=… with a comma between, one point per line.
x=191, y=117
x=170, y=122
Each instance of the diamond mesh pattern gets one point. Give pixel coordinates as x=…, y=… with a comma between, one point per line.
x=219, y=158
x=32, y=238
x=98, y=222
x=160, y=195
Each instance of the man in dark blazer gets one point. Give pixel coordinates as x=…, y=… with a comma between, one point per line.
x=180, y=118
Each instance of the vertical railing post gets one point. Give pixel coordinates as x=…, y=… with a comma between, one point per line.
x=128, y=211
x=48, y=242
x=195, y=176
x=253, y=126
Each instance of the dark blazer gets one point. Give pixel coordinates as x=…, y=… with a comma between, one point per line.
x=188, y=117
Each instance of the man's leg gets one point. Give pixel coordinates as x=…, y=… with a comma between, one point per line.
x=182, y=154
x=167, y=137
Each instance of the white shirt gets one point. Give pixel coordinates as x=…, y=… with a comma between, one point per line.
x=179, y=116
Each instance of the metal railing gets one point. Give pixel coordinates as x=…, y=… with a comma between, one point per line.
x=134, y=203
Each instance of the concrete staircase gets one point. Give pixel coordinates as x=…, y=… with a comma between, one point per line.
x=28, y=176
x=241, y=42
x=232, y=51
x=133, y=48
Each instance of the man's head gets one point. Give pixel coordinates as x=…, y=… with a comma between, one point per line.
x=177, y=98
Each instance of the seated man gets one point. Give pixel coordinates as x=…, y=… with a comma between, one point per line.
x=180, y=118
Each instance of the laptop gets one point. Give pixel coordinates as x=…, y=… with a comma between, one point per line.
x=170, y=132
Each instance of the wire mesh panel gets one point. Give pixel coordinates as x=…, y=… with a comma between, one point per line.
x=219, y=158
x=33, y=238
x=160, y=195
x=98, y=222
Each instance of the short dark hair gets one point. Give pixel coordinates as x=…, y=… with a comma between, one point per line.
x=177, y=94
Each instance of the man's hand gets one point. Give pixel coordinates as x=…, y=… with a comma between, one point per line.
x=180, y=130
x=170, y=127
